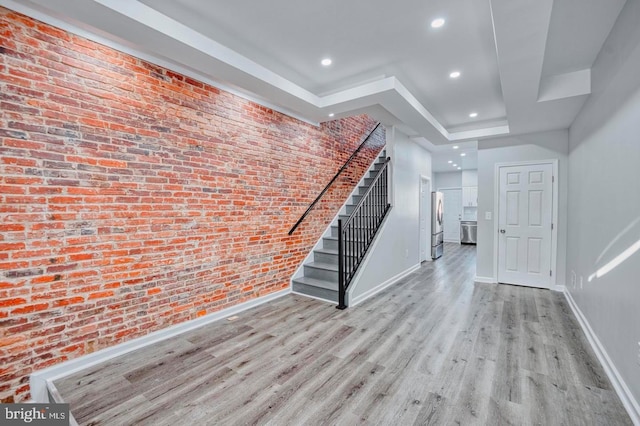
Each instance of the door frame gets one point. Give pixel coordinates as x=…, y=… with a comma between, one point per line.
x=554, y=214
x=453, y=188
x=424, y=239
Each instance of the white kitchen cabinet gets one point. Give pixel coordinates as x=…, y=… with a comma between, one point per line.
x=470, y=196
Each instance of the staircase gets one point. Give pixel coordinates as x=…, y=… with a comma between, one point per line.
x=320, y=278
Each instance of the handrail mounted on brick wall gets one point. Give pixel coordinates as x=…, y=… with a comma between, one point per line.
x=326, y=188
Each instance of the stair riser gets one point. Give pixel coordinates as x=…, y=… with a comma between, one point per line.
x=325, y=258
x=362, y=190
x=330, y=244
x=343, y=218
x=372, y=173
x=322, y=293
x=334, y=232
x=320, y=274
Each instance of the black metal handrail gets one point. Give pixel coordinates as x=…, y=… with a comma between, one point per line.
x=356, y=234
x=326, y=188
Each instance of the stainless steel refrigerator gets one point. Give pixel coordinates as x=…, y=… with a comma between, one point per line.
x=437, y=226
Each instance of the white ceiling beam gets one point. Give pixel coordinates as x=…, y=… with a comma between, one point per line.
x=566, y=85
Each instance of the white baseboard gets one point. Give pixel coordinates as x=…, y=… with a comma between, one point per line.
x=486, y=280
x=621, y=388
x=377, y=289
x=38, y=379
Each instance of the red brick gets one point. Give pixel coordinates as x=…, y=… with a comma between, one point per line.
x=12, y=302
x=10, y=340
x=30, y=308
x=101, y=295
x=128, y=175
x=69, y=301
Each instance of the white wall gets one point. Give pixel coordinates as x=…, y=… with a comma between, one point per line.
x=535, y=146
x=447, y=180
x=604, y=198
x=456, y=179
x=469, y=178
x=397, y=248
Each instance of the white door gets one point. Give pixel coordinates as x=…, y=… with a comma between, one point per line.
x=425, y=222
x=525, y=225
x=452, y=214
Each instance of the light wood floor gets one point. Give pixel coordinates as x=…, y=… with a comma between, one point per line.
x=434, y=349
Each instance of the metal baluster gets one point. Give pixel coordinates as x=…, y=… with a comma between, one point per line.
x=350, y=251
x=369, y=214
x=372, y=211
x=361, y=228
x=377, y=205
x=356, y=234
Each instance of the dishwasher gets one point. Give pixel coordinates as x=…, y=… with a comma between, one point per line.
x=468, y=231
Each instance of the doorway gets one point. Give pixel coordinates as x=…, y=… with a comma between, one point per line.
x=425, y=219
x=452, y=214
x=525, y=225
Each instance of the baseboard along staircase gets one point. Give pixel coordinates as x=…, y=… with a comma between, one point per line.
x=338, y=258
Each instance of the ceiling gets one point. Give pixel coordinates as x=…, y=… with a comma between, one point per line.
x=524, y=64
x=453, y=158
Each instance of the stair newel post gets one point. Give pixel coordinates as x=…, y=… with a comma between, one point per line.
x=341, y=289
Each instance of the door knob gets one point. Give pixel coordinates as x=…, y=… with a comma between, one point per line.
x=503, y=231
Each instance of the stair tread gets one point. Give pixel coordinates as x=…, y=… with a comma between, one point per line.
x=355, y=227
x=329, y=285
x=323, y=265
x=327, y=251
x=349, y=239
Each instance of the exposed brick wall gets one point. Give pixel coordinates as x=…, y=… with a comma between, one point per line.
x=134, y=198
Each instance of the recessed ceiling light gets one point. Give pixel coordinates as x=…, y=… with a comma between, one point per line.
x=437, y=23
x=454, y=74
x=456, y=147
x=459, y=168
x=331, y=115
x=326, y=62
x=463, y=154
x=455, y=165
x=449, y=161
x=473, y=115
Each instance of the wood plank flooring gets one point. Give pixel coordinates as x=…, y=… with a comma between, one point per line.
x=435, y=349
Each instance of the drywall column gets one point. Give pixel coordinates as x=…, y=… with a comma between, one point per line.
x=396, y=250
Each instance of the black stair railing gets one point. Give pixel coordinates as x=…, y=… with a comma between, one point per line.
x=356, y=234
x=326, y=188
